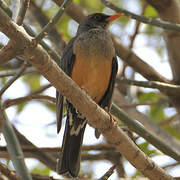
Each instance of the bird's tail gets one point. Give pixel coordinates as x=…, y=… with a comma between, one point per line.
x=70, y=156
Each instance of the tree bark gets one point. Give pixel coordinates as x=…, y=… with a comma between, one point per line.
x=169, y=10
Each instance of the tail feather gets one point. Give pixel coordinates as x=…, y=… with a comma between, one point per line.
x=70, y=157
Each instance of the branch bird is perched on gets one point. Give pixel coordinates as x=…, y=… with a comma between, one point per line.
x=89, y=59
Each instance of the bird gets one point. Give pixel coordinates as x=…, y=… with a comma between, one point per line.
x=90, y=60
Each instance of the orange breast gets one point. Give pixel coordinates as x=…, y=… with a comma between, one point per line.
x=92, y=75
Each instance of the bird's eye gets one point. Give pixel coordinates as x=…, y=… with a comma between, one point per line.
x=97, y=18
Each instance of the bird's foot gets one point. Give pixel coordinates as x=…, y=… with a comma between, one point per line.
x=112, y=119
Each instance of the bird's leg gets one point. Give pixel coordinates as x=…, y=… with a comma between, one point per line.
x=112, y=120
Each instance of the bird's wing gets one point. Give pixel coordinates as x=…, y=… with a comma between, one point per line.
x=105, y=102
x=66, y=64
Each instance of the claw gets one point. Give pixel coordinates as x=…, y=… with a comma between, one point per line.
x=112, y=120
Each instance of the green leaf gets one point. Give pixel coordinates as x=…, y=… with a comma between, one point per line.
x=150, y=96
x=145, y=148
x=51, y=11
x=172, y=131
x=50, y=106
x=3, y=80
x=92, y=6
x=32, y=80
x=41, y=170
x=21, y=106
x=62, y=26
x=150, y=12
x=156, y=113
x=137, y=174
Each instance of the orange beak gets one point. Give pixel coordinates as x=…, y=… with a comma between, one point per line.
x=115, y=16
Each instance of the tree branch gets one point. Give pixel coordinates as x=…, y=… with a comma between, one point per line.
x=14, y=71
x=42, y=18
x=30, y=148
x=32, y=95
x=136, y=31
x=4, y=6
x=74, y=11
x=11, y=102
x=15, y=7
x=14, y=78
x=50, y=51
x=150, y=125
x=108, y=173
x=170, y=11
x=96, y=116
x=123, y=52
x=53, y=21
x=11, y=175
x=22, y=12
x=14, y=147
x=47, y=158
x=164, y=147
x=151, y=21
x=160, y=5
x=128, y=56
x=10, y=50
x=40, y=90
x=165, y=87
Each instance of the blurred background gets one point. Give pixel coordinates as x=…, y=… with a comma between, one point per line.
x=30, y=103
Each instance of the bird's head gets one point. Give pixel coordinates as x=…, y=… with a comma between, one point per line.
x=97, y=20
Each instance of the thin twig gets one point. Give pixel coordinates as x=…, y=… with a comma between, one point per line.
x=171, y=165
x=4, y=6
x=29, y=30
x=43, y=156
x=168, y=120
x=74, y=10
x=41, y=177
x=148, y=103
x=54, y=55
x=16, y=6
x=8, y=52
x=98, y=147
x=22, y=11
x=137, y=27
x=11, y=175
x=97, y=118
x=132, y=38
x=108, y=173
x=54, y=20
x=77, y=13
x=139, y=65
x=42, y=18
x=46, y=158
x=32, y=95
x=11, y=81
x=152, y=84
x=164, y=147
x=12, y=102
x=151, y=21
x=41, y=89
x=13, y=146
x=14, y=71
